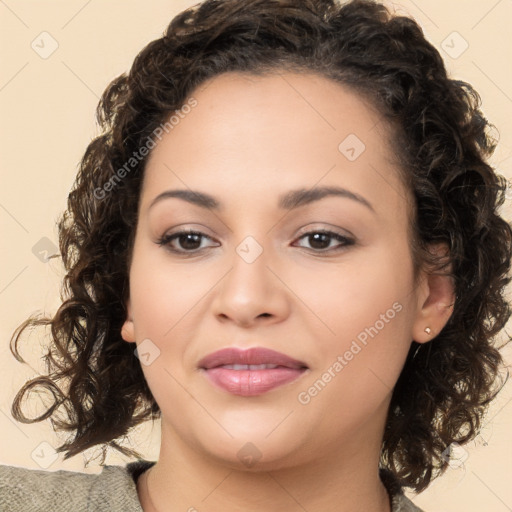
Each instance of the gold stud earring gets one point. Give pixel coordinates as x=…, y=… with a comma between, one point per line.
x=428, y=330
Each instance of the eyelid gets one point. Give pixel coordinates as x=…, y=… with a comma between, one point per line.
x=188, y=228
x=322, y=226
x=166, y=237
x=344, y=240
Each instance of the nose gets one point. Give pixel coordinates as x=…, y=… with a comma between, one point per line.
x=252, y=293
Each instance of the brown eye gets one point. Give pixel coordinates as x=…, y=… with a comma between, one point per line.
x=322, y=240
x=184, y=241
x=189, y=241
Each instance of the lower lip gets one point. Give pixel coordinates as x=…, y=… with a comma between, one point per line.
x=251, y=382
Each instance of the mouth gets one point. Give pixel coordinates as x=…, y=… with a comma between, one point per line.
x=249, y=366
x=256, y=358
x=250, y=372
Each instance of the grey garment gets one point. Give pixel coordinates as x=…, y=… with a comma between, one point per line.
x=401, y=503
x=112, y=490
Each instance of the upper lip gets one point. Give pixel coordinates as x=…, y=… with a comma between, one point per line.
x=256, y=355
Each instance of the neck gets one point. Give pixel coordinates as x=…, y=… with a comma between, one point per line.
x=341, y=480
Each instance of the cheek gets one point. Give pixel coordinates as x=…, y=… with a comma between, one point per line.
x=365, y=311
x=372, y=309
x=163, y=299
x=352, y=295
x=160, y=301
x=163, y=294
x=168, y=306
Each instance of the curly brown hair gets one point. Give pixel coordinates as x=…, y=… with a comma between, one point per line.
x=442, y=141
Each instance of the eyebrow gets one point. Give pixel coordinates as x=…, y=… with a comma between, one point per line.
x=289, y=201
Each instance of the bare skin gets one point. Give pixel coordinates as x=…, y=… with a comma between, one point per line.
x=248, y=141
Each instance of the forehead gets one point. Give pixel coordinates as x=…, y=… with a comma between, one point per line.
x=263, y=134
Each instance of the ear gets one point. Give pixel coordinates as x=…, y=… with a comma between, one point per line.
x=128, y=329
x=436, y=299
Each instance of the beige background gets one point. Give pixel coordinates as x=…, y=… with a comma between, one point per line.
x=47, y=111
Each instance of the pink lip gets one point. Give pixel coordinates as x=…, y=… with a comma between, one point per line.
x=250, y=382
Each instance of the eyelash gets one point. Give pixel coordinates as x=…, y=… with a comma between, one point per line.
x=167, y=239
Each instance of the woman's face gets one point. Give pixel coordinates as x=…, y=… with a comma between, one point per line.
x=324, y=279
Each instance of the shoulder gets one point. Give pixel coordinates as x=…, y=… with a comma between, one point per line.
x=403, y=504
x=399, y=502
x=37, y=490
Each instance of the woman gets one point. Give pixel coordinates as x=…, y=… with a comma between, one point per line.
x=286, y=245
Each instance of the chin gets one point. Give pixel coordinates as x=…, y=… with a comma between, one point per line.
x=257, y=451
